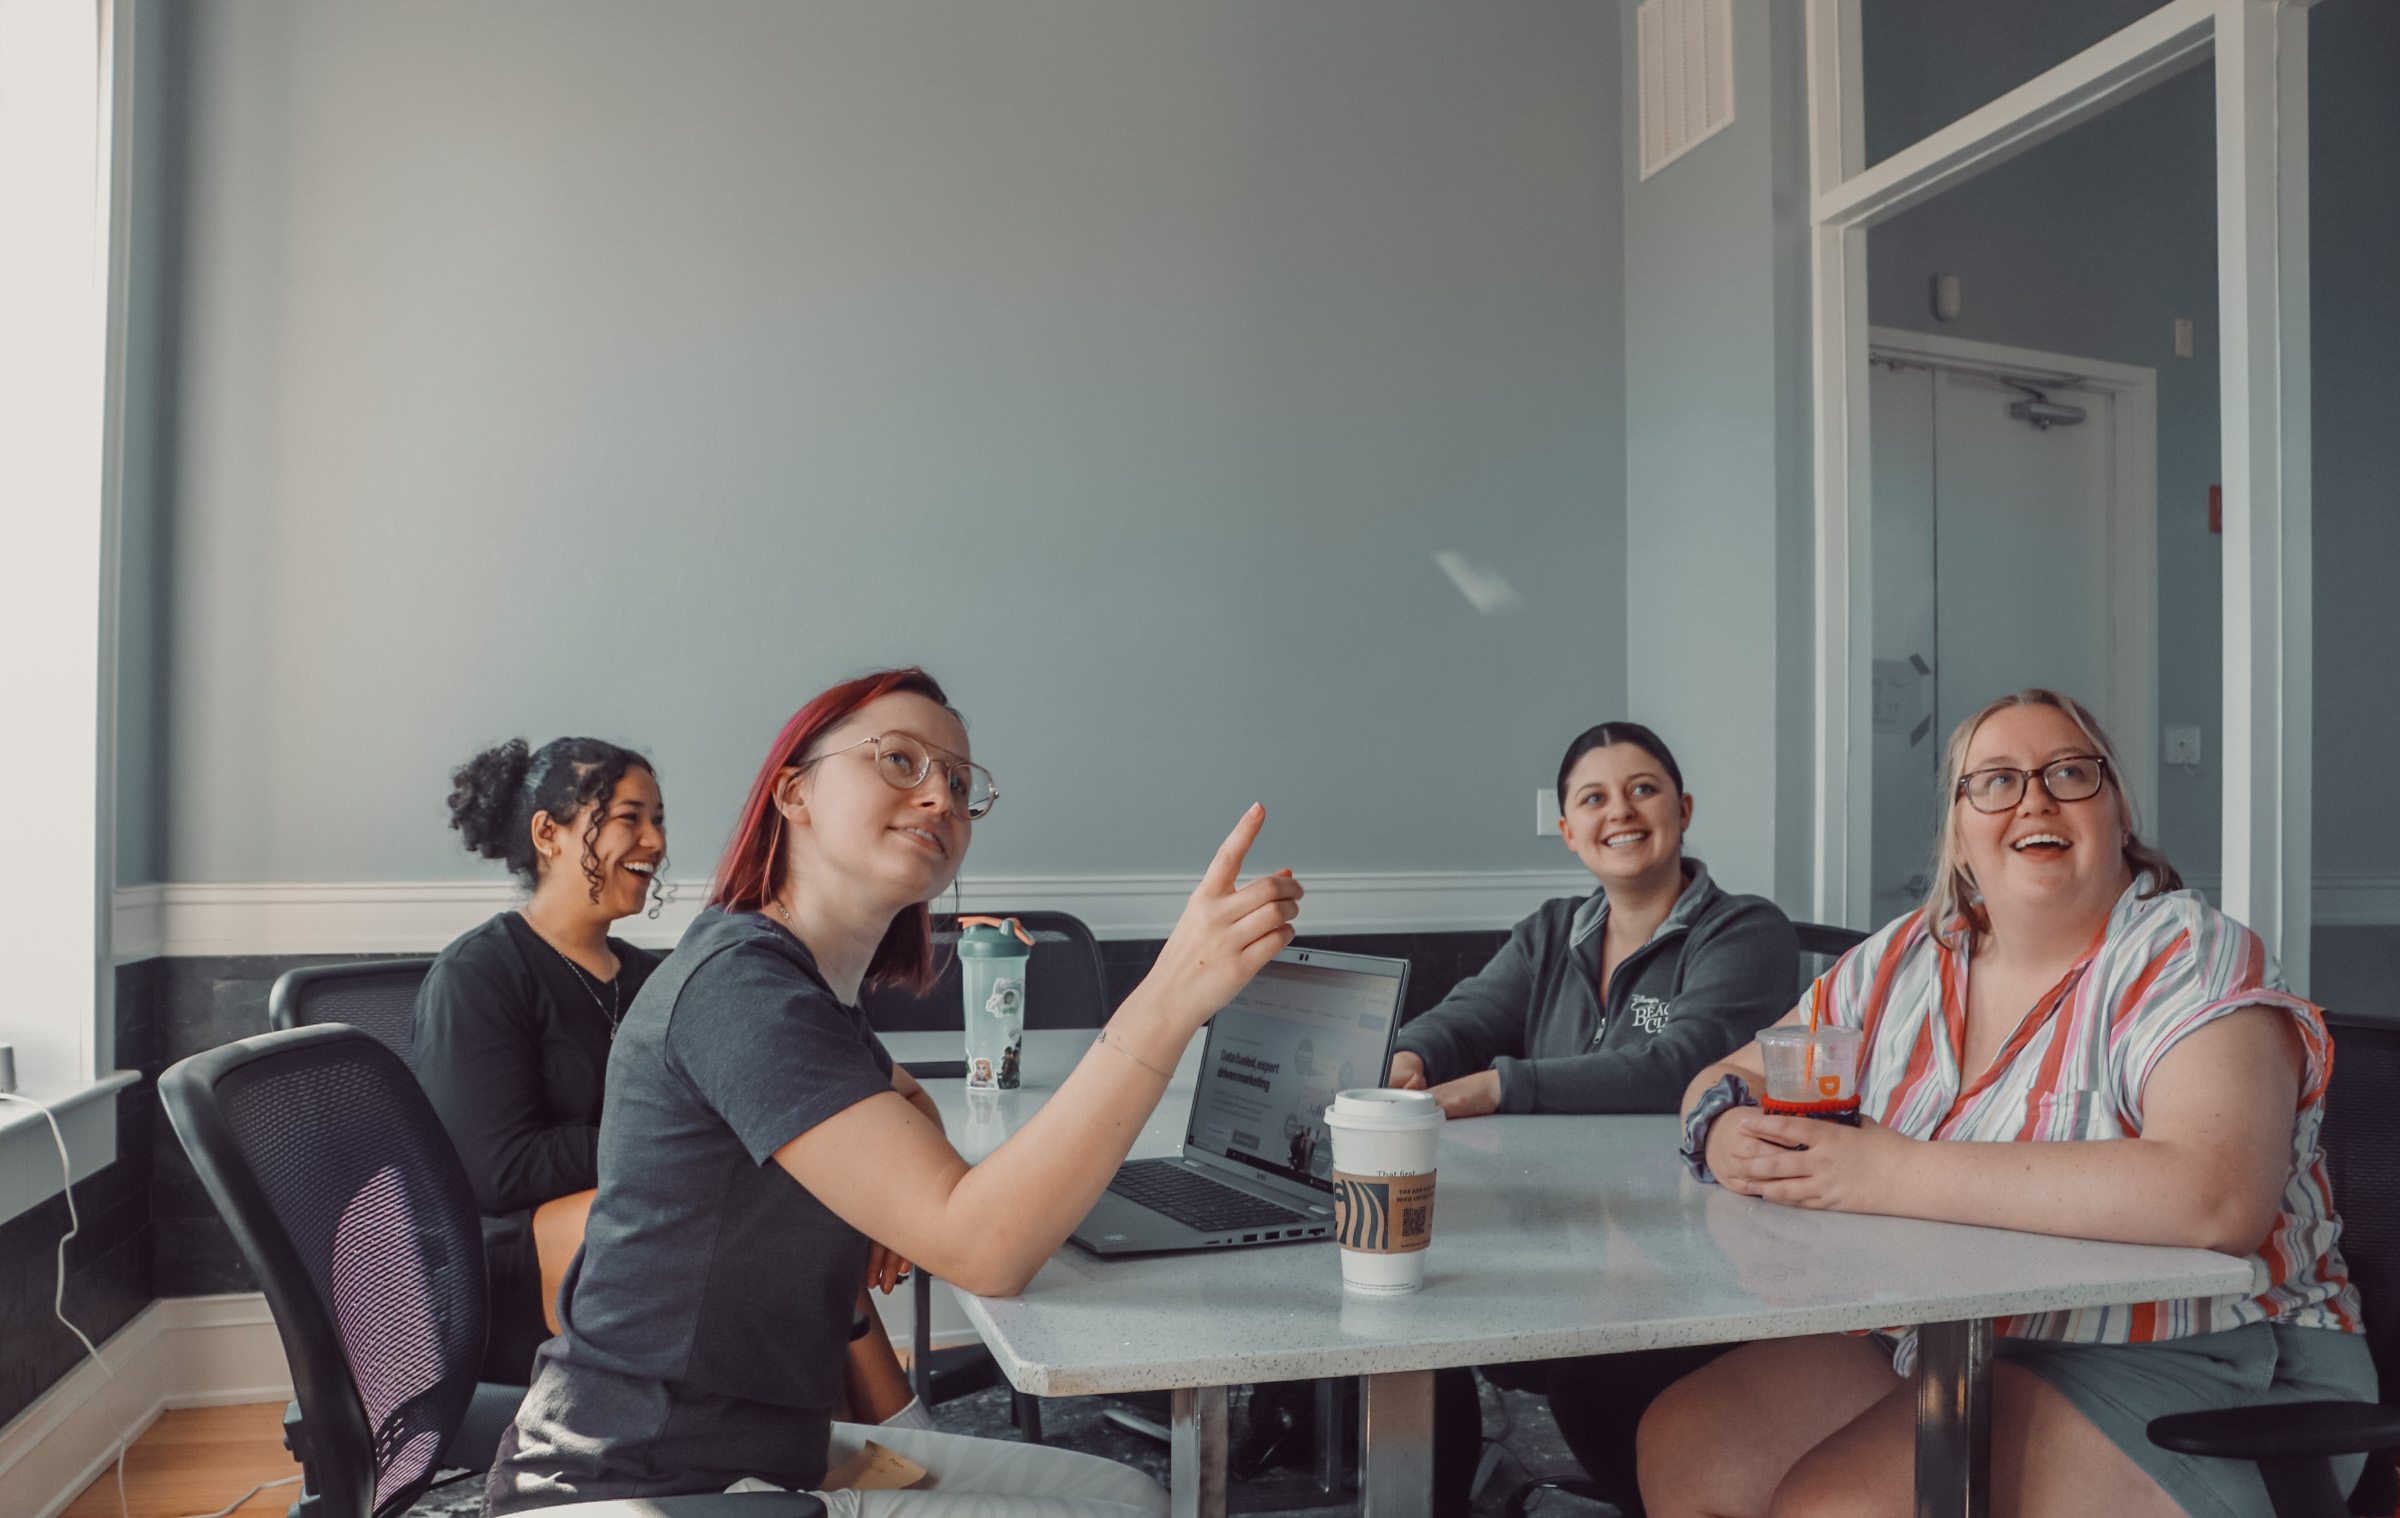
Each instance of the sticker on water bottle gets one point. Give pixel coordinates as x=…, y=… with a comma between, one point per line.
x=1005, y=1005
x=1383, y=1214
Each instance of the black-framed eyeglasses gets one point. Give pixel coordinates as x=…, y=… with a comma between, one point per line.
x=904, y=762
x=2074, y=778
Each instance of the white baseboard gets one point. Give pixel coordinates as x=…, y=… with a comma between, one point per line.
x=418, y=917
x=177, y=1352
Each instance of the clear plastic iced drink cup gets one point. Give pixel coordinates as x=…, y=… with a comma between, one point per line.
x=1384, y=1147
x=1812, y=1073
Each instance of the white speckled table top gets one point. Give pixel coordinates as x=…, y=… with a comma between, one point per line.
x=1553, y=1236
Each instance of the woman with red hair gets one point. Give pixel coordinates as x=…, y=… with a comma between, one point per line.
x=763, y=1155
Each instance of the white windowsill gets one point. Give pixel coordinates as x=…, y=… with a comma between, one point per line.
x=29, y=1174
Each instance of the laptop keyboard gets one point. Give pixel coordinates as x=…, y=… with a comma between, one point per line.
x=1195, y=1200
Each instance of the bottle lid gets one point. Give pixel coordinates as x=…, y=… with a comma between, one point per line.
x=1383, y=1107
x=993, y=938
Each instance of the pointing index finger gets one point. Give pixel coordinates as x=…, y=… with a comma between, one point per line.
x=1226, y=867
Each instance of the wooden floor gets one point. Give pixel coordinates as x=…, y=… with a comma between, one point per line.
x=196, y=1461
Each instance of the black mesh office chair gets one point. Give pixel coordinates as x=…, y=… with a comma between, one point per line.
x=342, y=1190
x=379, y=998
x=1820, y=945
x=2294, y=1442
x=1065, y=987
x=376, y=996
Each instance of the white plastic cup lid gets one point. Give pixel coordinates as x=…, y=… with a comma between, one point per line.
x=1383, y=1107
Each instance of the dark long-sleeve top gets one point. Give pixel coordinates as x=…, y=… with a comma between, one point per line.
x=512, y=1046
x=1719, y=968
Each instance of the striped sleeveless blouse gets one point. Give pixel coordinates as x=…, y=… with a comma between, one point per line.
x=2075, y=1069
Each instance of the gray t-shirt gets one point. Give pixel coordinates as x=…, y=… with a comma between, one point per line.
x=710, y=1309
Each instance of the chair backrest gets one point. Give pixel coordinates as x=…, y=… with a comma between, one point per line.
x=345, y=1196
x=1065, y=986
x=1820, y=945
x=2361, y=1140
x=376, y=996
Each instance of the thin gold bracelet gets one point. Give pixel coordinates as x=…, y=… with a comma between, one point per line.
x=1165, y=1075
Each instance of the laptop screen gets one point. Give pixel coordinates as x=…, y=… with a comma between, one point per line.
x=1311, y=1023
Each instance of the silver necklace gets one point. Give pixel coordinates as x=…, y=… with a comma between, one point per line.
x=614, y=1008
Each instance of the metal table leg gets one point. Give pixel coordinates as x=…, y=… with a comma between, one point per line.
x=1954, y=1419
x=920, y=1338
x=1196, y=1443
x=1395, y=1478
x=1329, y=1437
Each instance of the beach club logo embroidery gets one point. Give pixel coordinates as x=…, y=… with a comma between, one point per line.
x=1649, y=1013
x=1382, y=1214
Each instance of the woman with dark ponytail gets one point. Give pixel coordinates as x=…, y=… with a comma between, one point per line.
x=516, y=1017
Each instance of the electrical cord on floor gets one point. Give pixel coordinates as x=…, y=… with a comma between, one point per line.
x=58, y=1310
x=228, y=1510
x=58, y=1293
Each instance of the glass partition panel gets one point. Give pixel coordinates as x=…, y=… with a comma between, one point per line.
x=2044, y=450
x=1928, y=62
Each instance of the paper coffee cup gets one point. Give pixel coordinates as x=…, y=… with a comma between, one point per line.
x=1384, y=1145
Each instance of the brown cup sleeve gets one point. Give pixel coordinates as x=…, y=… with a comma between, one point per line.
x=1383, y=1214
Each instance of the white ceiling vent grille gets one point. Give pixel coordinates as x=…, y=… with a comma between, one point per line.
x=1686, y=76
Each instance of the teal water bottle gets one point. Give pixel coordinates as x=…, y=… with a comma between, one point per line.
x=992, y=955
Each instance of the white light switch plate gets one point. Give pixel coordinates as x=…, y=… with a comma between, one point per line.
x=2183, y=745
x=1545, y=812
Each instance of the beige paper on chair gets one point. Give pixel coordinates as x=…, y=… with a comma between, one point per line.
x=873, y=1469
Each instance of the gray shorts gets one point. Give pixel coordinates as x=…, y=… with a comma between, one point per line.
x=2121, y=1387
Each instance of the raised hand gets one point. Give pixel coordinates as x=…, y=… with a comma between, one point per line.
x=1227, y=932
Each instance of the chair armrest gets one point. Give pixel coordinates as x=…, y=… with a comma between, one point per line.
x=2280, y=1430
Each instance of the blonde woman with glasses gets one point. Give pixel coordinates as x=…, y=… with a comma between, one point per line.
x=2061, y=1040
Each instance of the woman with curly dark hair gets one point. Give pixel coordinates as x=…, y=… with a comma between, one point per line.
x=515, y=1018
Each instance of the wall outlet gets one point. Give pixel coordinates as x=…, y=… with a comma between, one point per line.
x=2183, y=745
x=1545, y=812
x=2183, y=337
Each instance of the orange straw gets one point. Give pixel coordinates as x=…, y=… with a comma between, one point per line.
x=1816, y=1012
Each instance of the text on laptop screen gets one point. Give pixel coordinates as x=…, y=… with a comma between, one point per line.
x=1277, y=1054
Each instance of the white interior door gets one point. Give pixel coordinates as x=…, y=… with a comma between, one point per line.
x=2021, y=548
x=1993, y=550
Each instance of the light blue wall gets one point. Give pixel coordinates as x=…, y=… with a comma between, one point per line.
x=1717, y=499
x=637, y=369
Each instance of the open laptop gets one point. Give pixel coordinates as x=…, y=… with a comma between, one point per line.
x=1257, y=1164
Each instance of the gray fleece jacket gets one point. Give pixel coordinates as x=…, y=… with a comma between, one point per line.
x=1717, y=970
